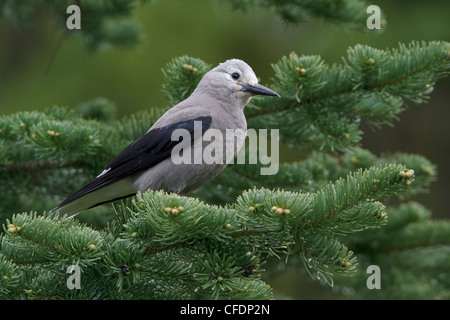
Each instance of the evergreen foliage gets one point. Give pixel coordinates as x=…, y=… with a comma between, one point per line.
x=104, y=22
x=412, y=251
x=110, y=22
x=339, y=13
x=331, y=211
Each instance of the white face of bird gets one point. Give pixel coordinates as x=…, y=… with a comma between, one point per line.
x=236, y=79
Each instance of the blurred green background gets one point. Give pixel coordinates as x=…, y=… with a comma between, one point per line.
x=212, y=31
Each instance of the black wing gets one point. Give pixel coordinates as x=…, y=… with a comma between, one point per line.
x=147, y=151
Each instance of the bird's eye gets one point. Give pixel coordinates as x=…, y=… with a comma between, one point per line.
x=235, y=75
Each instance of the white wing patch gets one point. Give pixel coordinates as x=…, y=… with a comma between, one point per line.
x=103, y=172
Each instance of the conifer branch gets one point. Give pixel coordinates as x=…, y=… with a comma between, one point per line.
x=36, y=166
x=214, y=243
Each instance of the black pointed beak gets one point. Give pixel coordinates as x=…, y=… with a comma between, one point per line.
x=259, y=89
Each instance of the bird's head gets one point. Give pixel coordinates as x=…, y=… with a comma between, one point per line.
x=234, y=80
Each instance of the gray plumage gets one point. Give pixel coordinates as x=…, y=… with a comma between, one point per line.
x=217, y=103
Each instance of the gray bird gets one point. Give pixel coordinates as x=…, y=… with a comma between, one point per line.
x=217, y=105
